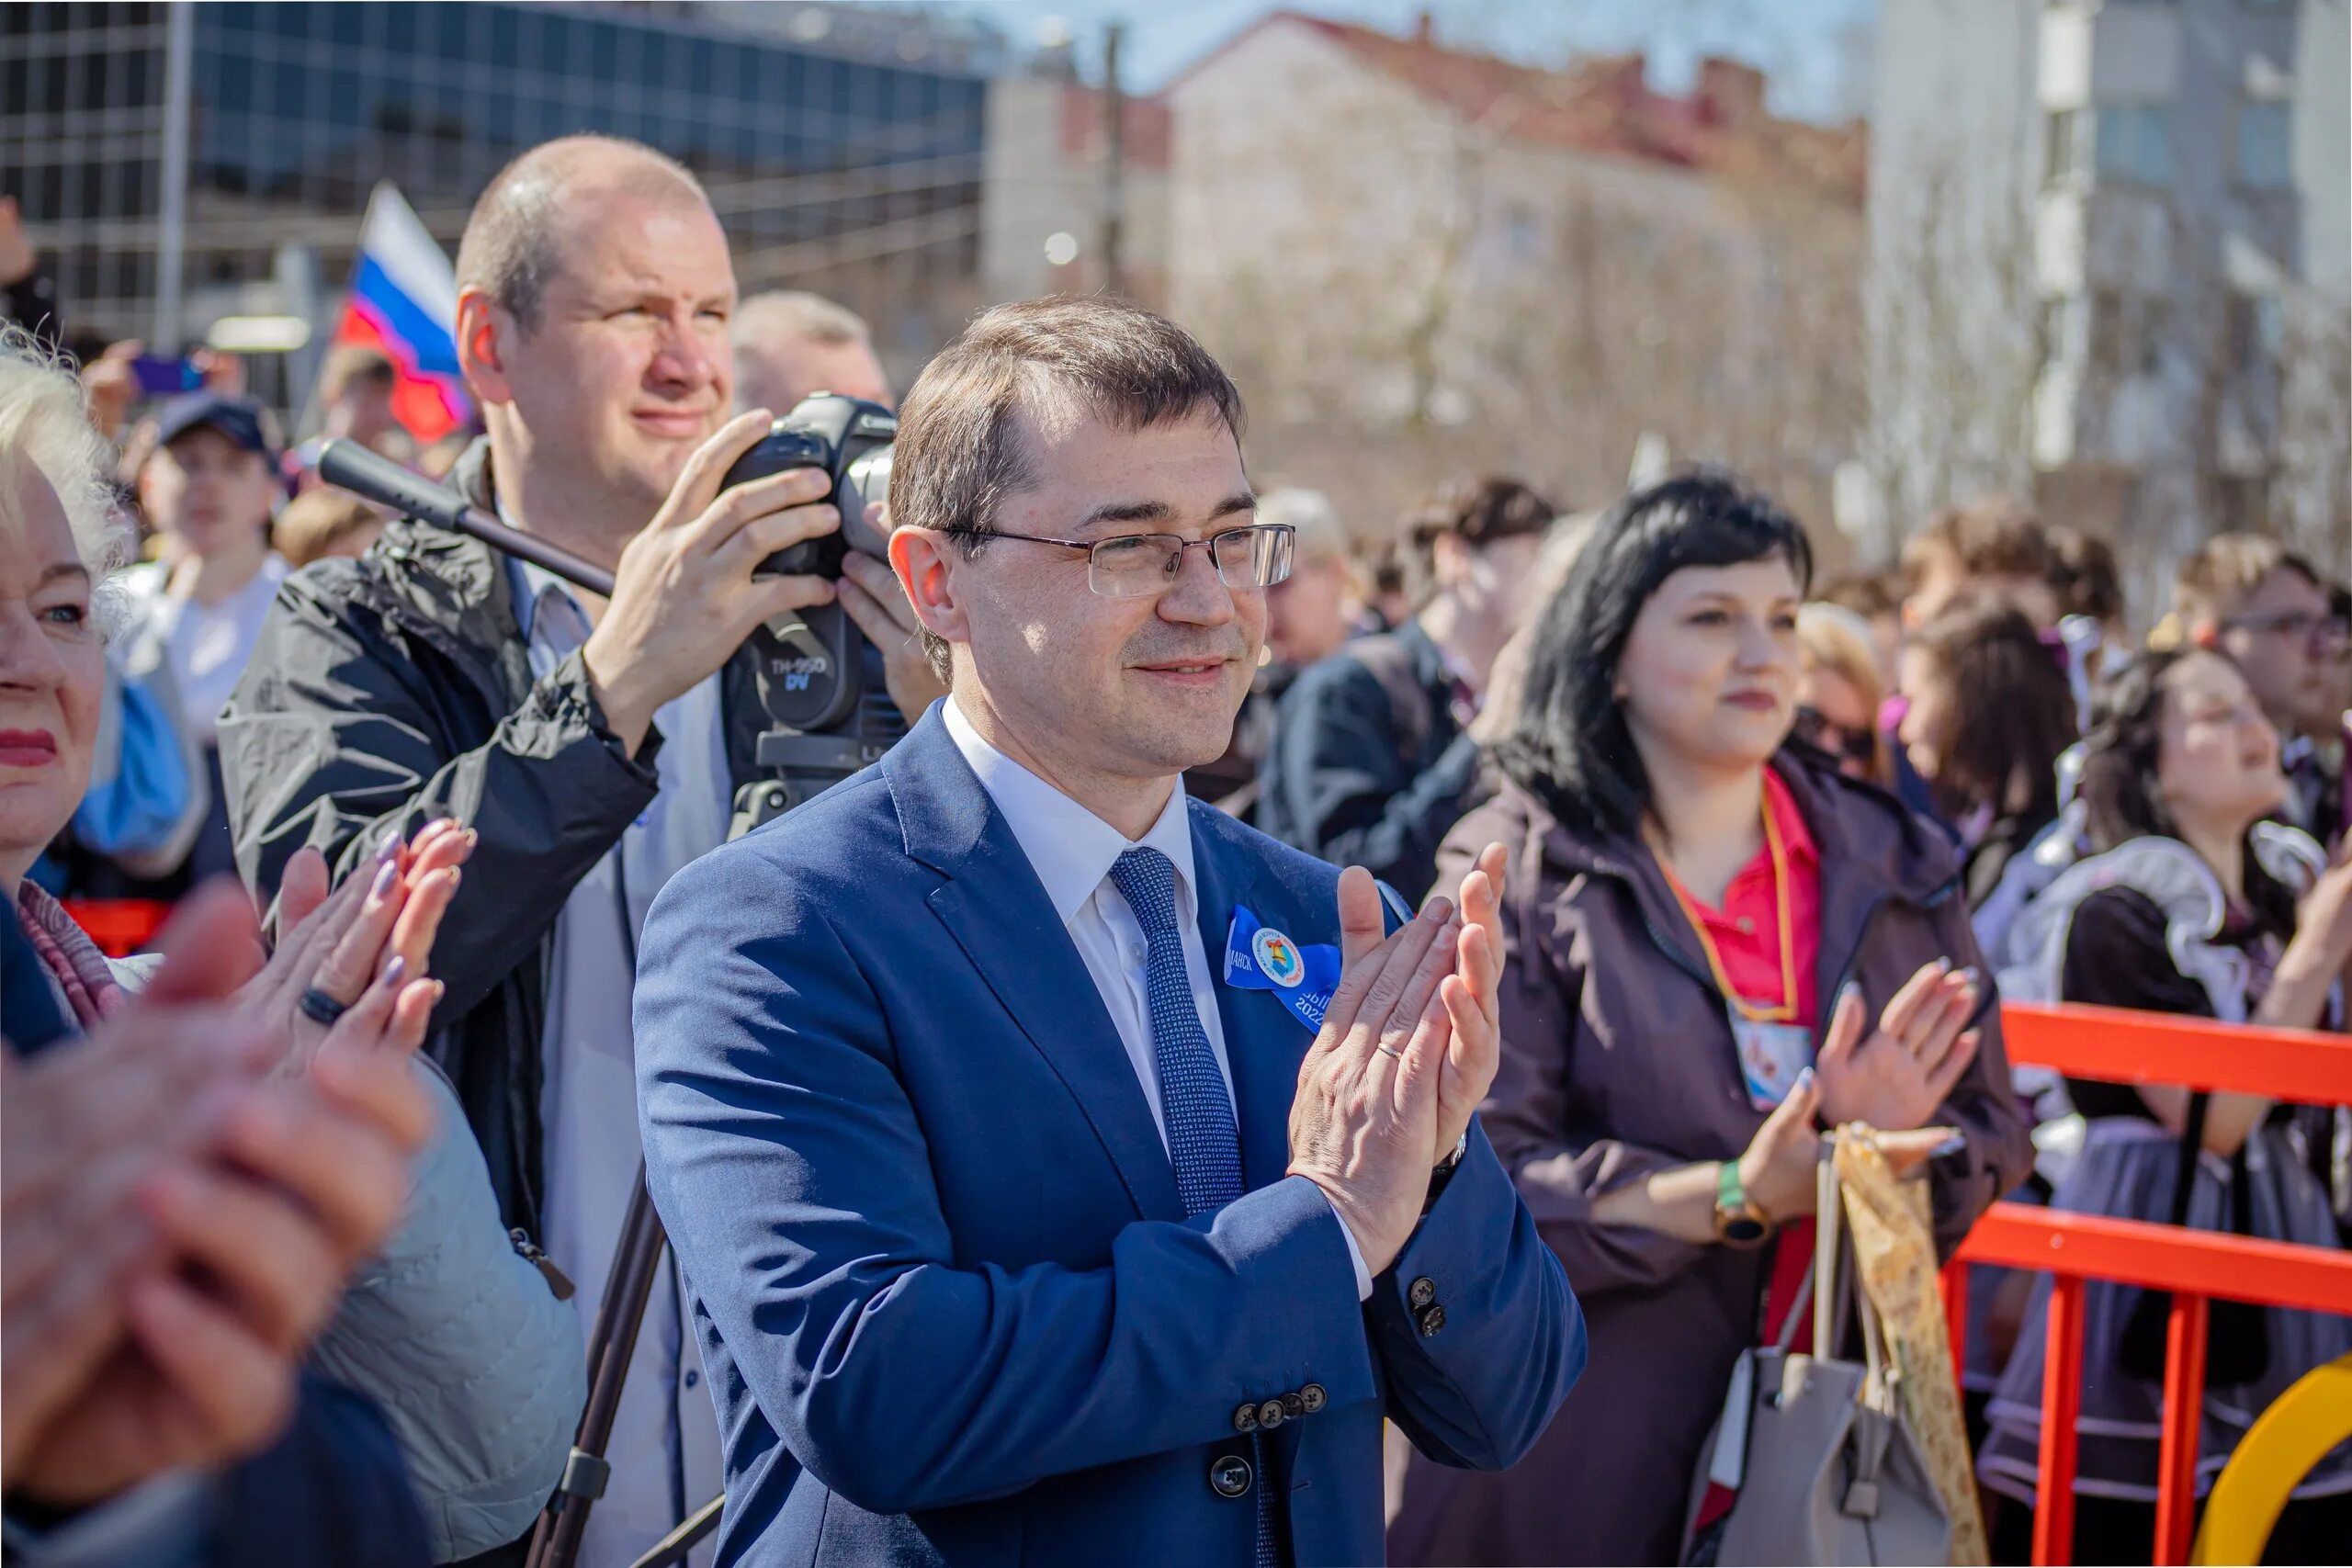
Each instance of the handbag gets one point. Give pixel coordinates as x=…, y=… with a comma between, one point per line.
x=2237, y=1334
x=1826, y=1470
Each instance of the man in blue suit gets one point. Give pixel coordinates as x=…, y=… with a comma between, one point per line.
x=1064, y=1172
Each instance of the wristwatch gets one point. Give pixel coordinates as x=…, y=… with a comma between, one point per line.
x=1738, y=1222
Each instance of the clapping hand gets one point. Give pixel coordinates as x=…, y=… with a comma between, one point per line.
x=1776, y=1171
x=1468, y=1029
x=178, y=1278
x=377, y=927
x=1473, y=998
x=313, y=1174
x=81, y=1127
x=1365, y=1121
x=1407, y=1049
x=1894, y=1079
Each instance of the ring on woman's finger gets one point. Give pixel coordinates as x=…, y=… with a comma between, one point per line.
x=1389, y=1051
x=320, y=1007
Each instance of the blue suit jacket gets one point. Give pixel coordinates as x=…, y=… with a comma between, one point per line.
x=950, y=1302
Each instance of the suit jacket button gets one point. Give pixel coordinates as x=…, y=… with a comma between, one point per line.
x=1271, y=1415
x=1229, y=1475
x=1423, y=1291
x=1294, y=1405
x=1245, y=1418
x=1312, y=1398
x=1432, y=1319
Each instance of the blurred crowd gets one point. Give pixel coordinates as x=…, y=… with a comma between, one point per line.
x=2155, y=824
x=311, y=1284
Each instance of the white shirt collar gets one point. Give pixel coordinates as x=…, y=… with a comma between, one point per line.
x=1071, y=849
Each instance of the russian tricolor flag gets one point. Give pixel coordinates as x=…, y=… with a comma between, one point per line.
x=404, y=303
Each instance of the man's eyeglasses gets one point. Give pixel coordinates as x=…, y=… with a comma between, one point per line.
x=1135, y=566
x=1857, y=746
x=2307, y=627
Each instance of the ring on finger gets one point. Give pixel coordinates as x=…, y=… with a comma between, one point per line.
x=1390, y=1051
x=320, y=1007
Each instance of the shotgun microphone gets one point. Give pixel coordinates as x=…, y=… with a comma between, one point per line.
x=371, y=476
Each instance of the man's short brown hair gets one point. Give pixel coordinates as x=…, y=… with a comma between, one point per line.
x=509, y=248
x=1998, y=536
x=959, y=451
x=1477, y=509
x=1481, y=509
x=2217, y=578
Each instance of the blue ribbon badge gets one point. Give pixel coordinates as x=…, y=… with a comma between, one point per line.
x=1259, y=958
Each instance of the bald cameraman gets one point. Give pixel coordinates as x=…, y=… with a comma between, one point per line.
x=595, y=745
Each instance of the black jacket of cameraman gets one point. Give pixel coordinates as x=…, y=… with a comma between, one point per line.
x=389, y=691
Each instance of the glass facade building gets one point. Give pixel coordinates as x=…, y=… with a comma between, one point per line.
x=858, y=176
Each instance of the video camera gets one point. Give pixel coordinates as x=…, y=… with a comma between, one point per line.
x=818, y=680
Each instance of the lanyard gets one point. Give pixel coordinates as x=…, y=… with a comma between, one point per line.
x=1785, y=1011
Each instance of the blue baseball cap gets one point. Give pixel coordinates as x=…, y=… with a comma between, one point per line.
x=239, y=419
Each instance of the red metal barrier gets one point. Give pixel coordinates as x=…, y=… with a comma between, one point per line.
x=2118, y=1046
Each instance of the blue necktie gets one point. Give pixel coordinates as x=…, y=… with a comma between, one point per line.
x=1203, y=1141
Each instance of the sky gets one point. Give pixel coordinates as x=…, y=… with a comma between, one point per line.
x=1816, y=51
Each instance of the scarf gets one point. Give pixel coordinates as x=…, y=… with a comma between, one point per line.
x=70, y=957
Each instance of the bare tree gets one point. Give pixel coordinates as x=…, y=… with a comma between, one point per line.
x=1954, y=347
x=2312, y=495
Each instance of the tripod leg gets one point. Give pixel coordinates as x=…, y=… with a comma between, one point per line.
x=637, y=1263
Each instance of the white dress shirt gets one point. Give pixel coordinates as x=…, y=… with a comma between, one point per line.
x=664, y=1447
x=1072, y=851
